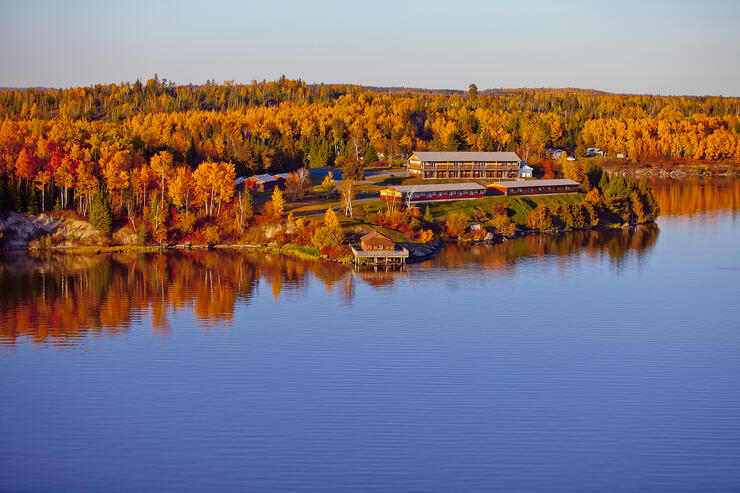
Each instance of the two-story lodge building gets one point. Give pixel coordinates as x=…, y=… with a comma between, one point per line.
x=464, y=165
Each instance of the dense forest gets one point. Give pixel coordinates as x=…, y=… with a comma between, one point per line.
x=151, y=148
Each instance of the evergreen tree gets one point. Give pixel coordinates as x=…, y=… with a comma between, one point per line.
x=456, y=141
x=371, y=155
x=486, y=143
x=191, y=155
x=100, y=214
x=7, y=203
x=320, y=154
x=428, y=218
x=32, y=205
x=472, y=90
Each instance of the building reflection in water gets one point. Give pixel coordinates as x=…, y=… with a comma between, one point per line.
x=63, y=299
x=60, y=299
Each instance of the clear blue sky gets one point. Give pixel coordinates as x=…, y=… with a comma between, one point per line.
x=660, y=47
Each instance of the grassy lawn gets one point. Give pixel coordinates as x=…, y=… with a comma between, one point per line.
x=520, y=205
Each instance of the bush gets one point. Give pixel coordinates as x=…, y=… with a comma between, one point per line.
x=328, y=237
x=541, y=218
x=186, y=222
x=143, y=236
x=45, y=242
x=160, y=235
x=212, y=235
x=503, y=224
x=426, y=236
x=456, y=224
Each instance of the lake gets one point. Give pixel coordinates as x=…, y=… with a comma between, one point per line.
x=586, y=361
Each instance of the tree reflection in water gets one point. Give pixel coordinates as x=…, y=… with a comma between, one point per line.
x=692, y=196
x=62, y=299
x=615, y=244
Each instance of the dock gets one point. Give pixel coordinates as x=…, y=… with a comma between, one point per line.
x=396, y=256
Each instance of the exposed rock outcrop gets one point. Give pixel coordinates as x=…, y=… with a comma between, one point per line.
x=19, y=231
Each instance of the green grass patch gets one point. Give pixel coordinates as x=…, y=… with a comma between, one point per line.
x=301, y=251
x=520, y=205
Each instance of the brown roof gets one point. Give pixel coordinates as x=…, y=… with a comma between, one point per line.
x=374, y=234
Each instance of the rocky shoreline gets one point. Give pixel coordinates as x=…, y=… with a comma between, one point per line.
x=678, y=172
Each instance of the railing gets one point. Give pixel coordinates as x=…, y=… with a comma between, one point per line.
x=395, y=253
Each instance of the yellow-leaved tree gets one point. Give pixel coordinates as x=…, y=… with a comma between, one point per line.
x=161, y=164
x=330, y=218
x=278, y=202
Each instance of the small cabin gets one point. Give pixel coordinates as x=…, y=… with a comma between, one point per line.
x=377, y=242
x=262, y=183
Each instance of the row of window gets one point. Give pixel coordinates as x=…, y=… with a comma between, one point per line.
x=448, y=194
x=539, y=189
x=507, y=163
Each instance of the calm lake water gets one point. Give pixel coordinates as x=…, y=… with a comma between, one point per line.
x=589, y=361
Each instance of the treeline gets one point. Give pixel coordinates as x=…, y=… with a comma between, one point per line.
x=609, y=200
x=284, y=124
x=149, y=147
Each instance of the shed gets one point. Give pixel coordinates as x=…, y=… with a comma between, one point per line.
x=525, y=170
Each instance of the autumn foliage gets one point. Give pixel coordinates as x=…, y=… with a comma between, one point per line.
x=154, y=147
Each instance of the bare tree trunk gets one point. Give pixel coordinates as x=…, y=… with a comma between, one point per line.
x=348, y=192
x=409, y=198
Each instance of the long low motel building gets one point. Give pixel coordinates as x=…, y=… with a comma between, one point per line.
x=433, y=192
x=534, y=187
x=464, y=165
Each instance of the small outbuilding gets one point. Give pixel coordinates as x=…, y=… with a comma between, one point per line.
x=262, y=183
x=525, y=170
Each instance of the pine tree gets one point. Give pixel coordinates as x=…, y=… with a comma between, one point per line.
x=32, y=204
x=428, y=218
x=456, y=141
x=6, y=197
x=100, y=214
x=371, y=155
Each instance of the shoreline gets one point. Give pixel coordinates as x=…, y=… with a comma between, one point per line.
x=297, y=251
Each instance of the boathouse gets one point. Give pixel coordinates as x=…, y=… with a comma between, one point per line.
x=375, y=241
x=433, y=192
x=376, y=248
x=534, y=187
x=464, y=165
